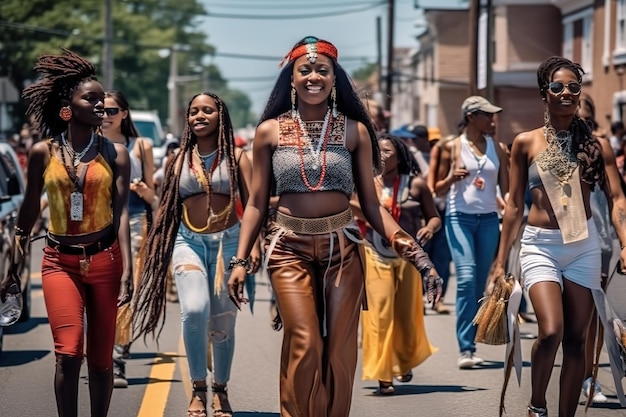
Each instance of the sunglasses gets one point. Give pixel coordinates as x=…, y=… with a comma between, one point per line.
x=557, y=87
x=111, y=111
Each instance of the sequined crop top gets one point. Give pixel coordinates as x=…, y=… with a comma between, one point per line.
x=220, y=180
x=294, y=158
x=97, y=197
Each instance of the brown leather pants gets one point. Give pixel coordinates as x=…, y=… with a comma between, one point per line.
x=320, y=318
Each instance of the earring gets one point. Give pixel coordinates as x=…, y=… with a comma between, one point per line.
x=333, y=100
x=65, y=113
x=293, y=102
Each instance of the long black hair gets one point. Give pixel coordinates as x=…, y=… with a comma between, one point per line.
x=348, y=102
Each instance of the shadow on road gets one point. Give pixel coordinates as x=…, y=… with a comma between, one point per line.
x=21, y=357
x=146, y=381
x=27, y=326
x=405, y=389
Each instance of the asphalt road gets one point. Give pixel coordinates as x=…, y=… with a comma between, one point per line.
x=159, y=386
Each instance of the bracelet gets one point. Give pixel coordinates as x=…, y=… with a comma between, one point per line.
x=20, y=232
x=235, y=262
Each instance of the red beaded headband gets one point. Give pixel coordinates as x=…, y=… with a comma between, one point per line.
x=311, y=49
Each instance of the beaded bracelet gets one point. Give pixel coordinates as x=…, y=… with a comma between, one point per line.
x=235, y=262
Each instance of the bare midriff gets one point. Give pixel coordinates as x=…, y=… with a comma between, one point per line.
x=198, y=214
x=314, y=204
x=541, y=213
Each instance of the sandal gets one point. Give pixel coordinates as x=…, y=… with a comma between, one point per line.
x=386, y=388
x=198, y=393
x=221, y=406
x=406, y=377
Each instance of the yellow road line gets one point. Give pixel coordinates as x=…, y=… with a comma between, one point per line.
x=158, y=388
x=184, y=367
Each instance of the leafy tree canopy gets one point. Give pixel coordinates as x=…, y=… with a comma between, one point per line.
x=144, y=31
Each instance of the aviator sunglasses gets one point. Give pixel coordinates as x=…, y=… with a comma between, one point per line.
x=557, y=87
x=111, y=111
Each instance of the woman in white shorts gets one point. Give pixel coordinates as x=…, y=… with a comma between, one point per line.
x=560, y=162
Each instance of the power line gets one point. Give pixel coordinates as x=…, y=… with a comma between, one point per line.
x=67, y=33
x=295, y=16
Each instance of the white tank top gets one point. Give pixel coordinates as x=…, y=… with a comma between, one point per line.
x=476, y=193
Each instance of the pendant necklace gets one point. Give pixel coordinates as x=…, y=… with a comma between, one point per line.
x=76, y=157
x=317, y=149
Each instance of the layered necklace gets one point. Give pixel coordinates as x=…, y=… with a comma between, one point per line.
x=558, y=157
x=76, y=156
x=317, y=148
x=203, y=176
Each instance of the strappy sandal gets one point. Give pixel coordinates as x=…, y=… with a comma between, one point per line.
x=406, y=377
x=221, y=406
x=386, y=388
x=199, y=393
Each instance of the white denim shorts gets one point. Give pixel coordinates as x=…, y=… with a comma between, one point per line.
x=544, y=257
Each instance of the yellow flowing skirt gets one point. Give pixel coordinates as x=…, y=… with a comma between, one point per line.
x=394, y=335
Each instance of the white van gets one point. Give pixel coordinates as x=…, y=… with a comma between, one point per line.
x=149, y=126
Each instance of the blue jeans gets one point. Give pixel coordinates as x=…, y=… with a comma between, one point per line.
x=473, y=241
x=203, y=312
x=439, y=253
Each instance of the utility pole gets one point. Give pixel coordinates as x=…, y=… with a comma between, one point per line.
x=473, y=40
x=389, y=78
x=173, y=93
x=107, y=50
x=379, y=52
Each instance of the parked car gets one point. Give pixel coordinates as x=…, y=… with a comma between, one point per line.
x=12, y=187
x=149, y=126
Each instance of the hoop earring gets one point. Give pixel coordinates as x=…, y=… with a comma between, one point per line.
x=333, y=100
x=293, y=102
x=65, y=113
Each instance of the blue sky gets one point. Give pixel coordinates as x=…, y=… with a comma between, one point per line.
x=271, y=27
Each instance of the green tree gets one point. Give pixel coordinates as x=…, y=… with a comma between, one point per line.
x=142, y=31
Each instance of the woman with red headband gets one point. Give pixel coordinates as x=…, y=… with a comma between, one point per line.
x=315, y=146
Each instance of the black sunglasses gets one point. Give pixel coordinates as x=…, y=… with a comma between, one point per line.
x=557, y=87
x=111, y=111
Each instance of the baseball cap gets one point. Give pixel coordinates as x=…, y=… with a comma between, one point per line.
x=478, y=103
x=419, y=131
x=434, y=133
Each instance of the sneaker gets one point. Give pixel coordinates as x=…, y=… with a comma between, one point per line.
x=119, y=375
x=598, y=396
x=466, y=361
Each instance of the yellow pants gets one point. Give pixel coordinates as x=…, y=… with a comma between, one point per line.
x=394, y=336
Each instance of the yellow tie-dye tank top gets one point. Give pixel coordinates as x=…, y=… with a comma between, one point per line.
x=97, y=201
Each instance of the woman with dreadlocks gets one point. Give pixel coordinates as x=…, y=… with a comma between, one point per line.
x=314, y=145
x=561, y=162
x=197, y=229
x=394, y=336
x=87, y=251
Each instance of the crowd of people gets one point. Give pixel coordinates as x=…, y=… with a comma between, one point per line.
x=353, y=223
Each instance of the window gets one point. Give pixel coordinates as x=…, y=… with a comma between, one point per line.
x=620, y=35
x=578, y=39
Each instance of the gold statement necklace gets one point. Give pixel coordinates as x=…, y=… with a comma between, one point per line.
x=558, y=159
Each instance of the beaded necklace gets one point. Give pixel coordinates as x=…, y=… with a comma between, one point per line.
x=204, y=177
x=315, y=151
x=321, y=145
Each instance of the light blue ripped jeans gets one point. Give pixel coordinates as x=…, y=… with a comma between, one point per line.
x=204, y=313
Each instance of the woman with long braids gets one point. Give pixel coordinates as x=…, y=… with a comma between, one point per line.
x=87, y=253
x=394, y=336
x=561, y=163
x=118, y=127
x=197, y=229
x=314, y=146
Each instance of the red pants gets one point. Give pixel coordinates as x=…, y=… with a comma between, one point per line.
x=68, y=294
x=316, y=372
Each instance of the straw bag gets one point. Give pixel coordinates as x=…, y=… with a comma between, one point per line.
x=491, y=318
